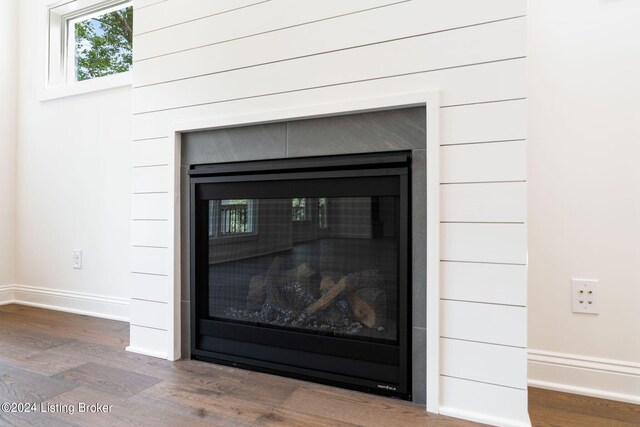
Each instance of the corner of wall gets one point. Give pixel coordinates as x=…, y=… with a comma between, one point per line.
x=6, y=295
x=8, y=139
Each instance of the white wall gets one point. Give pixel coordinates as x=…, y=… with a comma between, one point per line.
x=74, y=178
x=194, y=62
x=8, y=133
x=584, y=193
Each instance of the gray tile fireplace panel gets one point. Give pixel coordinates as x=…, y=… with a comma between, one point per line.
x=257, y=142
x=390, y=130
x=185, y=330
x=419, y=365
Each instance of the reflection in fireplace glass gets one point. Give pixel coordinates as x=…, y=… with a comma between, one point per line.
x=323, y=265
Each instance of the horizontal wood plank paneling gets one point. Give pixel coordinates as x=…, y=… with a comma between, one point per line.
x=149, y=340
x=492, y=202
x=501, y=40
x=498, y=121
x=150, y=206
x=312, y=39
x=485, y=403
x=205, y=23
x=152, y=179
x=484, y=82
x=175, y=12
x=491, y=283
x=150, y=260
x=139, y=4
x=149, y=314
x=192, y=64
x=313, y=17
x=495, y=243
x=260, y=19
x=488, y=363
x=488, y=323
x=283, y=45
x=499, y=161
x=150, y=287
x=151, y=152
x=150, y=233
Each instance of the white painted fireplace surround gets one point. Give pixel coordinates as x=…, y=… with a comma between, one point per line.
x=202, y=65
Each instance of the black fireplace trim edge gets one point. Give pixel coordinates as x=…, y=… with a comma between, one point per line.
x=306, y=164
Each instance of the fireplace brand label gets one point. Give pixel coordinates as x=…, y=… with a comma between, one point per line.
x=387, y=387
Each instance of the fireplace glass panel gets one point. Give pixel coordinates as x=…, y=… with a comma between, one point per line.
x=321, y=265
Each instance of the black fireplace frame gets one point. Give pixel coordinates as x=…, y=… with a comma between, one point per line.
x=374, y=367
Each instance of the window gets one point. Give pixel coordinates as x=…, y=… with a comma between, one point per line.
x=101, y=44
x=90, y=46
x=322, y=213
x=232, y=217
x=299, y=209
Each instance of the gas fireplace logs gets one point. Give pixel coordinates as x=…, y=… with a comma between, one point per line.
x=369, y=306
x=258, y=285
x=357, y=295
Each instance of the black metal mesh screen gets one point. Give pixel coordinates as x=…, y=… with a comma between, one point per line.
x=327, y=265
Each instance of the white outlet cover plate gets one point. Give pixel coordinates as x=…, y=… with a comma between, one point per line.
x=77, y=259
x=584, y=296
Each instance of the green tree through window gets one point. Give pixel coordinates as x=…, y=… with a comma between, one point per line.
x=104, y=44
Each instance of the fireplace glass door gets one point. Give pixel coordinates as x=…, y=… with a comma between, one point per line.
x=303, y=270
x=322, y=265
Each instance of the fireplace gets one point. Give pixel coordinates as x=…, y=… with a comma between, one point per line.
x=301, y=267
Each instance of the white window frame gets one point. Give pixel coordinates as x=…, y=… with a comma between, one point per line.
x=59, y=77
x=324, y=226
x=214, y=222
x=305, y=209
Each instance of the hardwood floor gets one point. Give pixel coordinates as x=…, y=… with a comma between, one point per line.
x=63, y=359
x=551, y=408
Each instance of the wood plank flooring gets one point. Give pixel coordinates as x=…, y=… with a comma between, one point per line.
x=555, y=409
x=63, y=359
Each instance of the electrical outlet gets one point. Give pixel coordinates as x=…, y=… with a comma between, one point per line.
x=77, y=259
x=584, y=296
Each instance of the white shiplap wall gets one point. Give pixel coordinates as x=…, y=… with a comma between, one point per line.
x=195, y=60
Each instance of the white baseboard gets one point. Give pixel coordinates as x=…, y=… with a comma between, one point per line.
x=589, y=376
x=71, y=302
x=6, y=295
x=482, y=418
x=146, y=352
